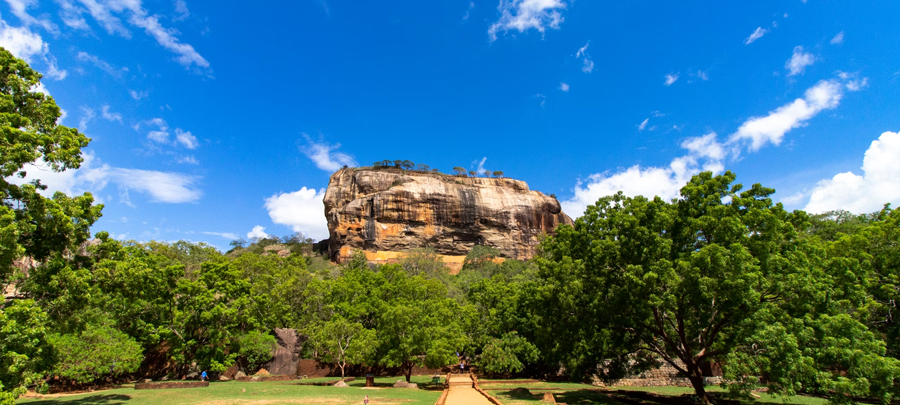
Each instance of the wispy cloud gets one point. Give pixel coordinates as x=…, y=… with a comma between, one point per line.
x=643, y=124
x=161, y=134
x=671, y=78
x=224, y=235
x=186, y=139
x=587, y=62
x=799, y=61
x=164, y=187
x=19, y=8
x=102, y=65
x=28, y=45
x=523, y=15
x=564, y=87
x=109, y=115
x=137, y=95
x=181, y=10
x=110, y=15
x=469, y=11
x=325, y=156
x=757, y=34
x=838, y=39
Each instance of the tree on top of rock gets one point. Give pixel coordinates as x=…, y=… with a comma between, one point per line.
x=459, y=171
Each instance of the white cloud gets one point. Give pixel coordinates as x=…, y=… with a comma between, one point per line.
x=158, y=136
x=643, y=124
x=671, y=79
x=190, y=159
x=19, y=9
x=826, y=94
x=325, y=156
x=799, y=61
x=166, y=187
x=866, y=193
x=102, y=65
x=108, y=13
x=564, y=86
x=258, y=232
x=71, y=15
x=588, y=63
x=757, y=34
x=181, y=10
x=225, y=235
x=838, y=39
x=705, y=146
x=702, y=75
x=29, y=46
x=469, y=11
x=704, y=153
x=186, y=139
x=108, y=115
x=523, y=15
x=302, y=210
x=647, y=181
x=480, y=167
x=86, y=118
x=137, y=95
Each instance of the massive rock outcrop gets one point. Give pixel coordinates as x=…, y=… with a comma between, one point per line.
x=386, y=211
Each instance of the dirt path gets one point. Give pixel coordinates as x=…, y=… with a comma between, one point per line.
x=462, y=393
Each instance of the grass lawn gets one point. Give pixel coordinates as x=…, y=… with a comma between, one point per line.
x=241, y=393
x=584, y=394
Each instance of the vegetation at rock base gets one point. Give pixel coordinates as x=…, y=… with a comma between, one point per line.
x=722, y=275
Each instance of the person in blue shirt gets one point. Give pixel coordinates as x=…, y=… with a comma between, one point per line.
x=203, y=376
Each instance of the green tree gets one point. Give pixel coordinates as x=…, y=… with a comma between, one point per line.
x=96, y=352
x=256, y=348
x=343, y=342
x=710, y=276
x=422, y=167
x=25, y=355
x=30, y=224
x=498, y=173
x=505, y=354
x=473, y=173
x=418, y=323
x=459, y=171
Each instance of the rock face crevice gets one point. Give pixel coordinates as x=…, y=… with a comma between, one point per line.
x=386, y=210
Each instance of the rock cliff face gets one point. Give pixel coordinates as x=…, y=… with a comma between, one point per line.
x=383, y=211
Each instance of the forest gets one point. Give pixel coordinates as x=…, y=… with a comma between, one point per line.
x=723, y=274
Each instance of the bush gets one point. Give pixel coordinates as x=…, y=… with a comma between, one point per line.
x=99, y=351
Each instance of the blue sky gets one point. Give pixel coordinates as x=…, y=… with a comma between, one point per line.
x=214, y=120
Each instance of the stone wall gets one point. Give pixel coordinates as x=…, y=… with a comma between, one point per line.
x=664, y=375
x=312, y=368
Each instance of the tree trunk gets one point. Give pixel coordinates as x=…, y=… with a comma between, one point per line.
x=696, y=377
x=342, y=370
x=408, y=371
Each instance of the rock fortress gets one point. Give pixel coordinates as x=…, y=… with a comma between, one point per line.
x=385, y=212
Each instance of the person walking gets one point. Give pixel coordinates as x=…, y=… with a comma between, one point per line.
x=203, y=376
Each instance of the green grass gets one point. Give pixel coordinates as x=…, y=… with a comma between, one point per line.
x=584, y=394
x=268, y=393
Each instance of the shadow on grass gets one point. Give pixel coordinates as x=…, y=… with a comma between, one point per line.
x=100, y=399
x=586, y=397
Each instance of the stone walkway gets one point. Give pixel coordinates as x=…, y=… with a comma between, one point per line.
x=462, y=392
